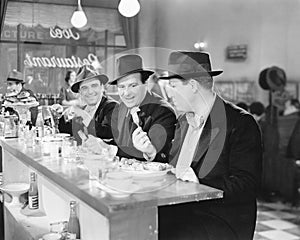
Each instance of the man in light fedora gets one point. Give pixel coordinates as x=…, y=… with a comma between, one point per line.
x=216, y=144
x=144, y=123
x=93, y=120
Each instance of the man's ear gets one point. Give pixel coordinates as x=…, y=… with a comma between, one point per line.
x=194, y=85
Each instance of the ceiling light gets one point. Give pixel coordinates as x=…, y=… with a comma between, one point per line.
x=79, y=18
x=129, y=8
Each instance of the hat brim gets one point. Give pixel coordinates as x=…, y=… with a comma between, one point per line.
x=15, y=80
x=145, y=75
x=101, y=77
x=191, y=75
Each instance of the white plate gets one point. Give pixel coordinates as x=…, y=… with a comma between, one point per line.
x=146, y=173
x=129, y=189
x=15, y=187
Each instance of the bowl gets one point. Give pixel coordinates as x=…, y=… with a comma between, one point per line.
x=52, y=236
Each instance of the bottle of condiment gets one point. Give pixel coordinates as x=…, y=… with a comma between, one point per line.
x=28, y=120
x=33, y=194
x=48, y=121
x=73, y=225
x=39, y=124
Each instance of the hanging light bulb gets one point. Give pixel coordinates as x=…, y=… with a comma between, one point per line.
x=79, y=18
x=129, y=8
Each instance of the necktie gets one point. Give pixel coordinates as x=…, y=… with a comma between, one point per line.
x=188, y=147
x=135, y=117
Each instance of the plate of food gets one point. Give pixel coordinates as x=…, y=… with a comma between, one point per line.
x=140, y=169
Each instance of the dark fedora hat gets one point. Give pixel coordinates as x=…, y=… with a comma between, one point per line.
x=15, y=76
x=86, y=73
x=130, y=64
x=272, y=78
x=185, y=64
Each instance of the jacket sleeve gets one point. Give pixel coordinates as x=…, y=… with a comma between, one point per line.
x=161, y=133
x=103, y=123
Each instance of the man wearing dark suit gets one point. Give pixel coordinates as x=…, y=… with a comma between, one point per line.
x=216, y=144
x=95, y=117
x=144, y=123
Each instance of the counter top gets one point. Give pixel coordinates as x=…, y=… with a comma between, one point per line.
x=74, y=178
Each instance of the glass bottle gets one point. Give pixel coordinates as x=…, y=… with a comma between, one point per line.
x=39, y=124
x=28, y=120
x=48, y=121
x=33, y=194
x=73, y=225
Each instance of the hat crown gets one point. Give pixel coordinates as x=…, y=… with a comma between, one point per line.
x=87, y=72
x=190, y=61
x=15, y=75
x=129, y=63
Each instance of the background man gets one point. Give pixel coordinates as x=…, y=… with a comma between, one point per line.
x=217, y=144
x=15, y=86
x=144, y=123
x=94, y=118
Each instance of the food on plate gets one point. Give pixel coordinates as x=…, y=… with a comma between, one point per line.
x=23, y=98
x=135, y=165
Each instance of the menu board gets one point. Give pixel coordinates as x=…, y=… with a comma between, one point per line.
x=240, y=91
x=225, y=89
x=244, y=91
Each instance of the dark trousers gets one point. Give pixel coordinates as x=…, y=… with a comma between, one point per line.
x=191, y=221
x=1, y=222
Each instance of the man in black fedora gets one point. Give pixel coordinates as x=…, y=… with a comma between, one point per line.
x=90, y=123
x=216, y=144
x=144, y=123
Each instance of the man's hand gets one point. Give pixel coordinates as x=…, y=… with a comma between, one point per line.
x=98, y=146
x=94, y=144
x=75, y=111
x=142, y=142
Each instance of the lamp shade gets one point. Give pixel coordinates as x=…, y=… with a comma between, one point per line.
x=79, y=18
x=129, y=8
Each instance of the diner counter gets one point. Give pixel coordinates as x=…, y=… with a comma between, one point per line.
x=69, y=180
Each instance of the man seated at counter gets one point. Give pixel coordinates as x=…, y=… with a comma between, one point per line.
x=216, y=144
x=143, y=124
x=94, y=118
x=17, y=93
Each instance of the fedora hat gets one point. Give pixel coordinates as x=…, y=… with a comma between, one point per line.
x=272, y=78
x=15, y=76
x=86, y=73
x=184, y=64
x=130, y=64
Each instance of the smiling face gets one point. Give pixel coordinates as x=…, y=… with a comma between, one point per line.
x=181, y=93
x=131, y=90
x=13, y=88
x=91, y=91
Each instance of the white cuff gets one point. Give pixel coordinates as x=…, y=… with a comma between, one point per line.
x=149, y=157
x=188, y=176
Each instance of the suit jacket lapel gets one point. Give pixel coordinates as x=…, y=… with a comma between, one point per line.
x=216, y=134
x=179, y=138
x=203, y=142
